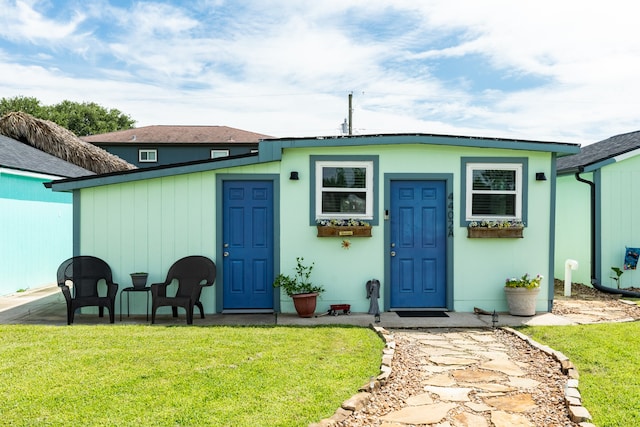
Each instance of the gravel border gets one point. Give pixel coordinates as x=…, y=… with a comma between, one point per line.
x=577, y=413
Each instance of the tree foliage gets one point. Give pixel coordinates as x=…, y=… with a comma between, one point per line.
x=86, y=118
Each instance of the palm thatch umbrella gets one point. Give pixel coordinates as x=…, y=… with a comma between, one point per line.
x=60, y=142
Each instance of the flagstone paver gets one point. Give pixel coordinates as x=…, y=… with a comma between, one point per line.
x=468, y=419
x=446, y=360
x=516, y=403
x=424, y=414
x=506, y=419
x=468, y=375
x=505, y=366
x=442, y=380
x=450, y=394
x=421, y=399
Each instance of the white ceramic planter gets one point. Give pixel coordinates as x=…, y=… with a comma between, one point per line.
x=522, y=301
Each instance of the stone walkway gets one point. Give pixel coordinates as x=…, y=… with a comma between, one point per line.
x=457, y=364
x=465, y=377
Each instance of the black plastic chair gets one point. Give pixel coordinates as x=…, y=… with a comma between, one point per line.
x=84, y=273
x=192, y=274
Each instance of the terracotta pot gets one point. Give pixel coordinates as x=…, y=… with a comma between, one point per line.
x=521, y=301
x=305, y=304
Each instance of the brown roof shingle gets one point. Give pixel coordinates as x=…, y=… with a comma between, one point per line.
x=159, y=134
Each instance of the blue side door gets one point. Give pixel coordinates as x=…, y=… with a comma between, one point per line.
x=247, y=245
x=418, y=244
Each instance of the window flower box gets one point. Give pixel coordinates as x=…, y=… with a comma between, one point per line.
x=343, y=228
x=492, y=229
x=344, y=231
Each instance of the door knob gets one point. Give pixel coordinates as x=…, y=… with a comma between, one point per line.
x=225, y=253
x=393, y=253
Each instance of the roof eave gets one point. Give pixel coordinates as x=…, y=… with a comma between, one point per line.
x=152, y=172
x=429, y=139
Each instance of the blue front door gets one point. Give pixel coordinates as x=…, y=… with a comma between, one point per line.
x=418, y=244
x=247, y=245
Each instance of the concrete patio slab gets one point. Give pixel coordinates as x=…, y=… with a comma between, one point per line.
x=46, y=305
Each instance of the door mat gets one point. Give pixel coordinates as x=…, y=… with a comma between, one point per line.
x=422, y=314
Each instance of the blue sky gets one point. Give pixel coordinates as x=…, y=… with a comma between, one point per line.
x=549, y=70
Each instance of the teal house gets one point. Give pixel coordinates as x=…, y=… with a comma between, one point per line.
x=36, y=223
x=254, y=214
x=598, y=210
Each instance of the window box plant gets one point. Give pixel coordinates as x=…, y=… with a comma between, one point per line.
x=300, y=288
x=343, y=228
x=495, y=229
x=521, y=293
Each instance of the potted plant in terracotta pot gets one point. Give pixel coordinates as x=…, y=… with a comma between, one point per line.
x=300, y=289
x=521, y=294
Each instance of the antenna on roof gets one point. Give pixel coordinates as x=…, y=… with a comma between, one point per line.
x=350, y=113
x=347, y=125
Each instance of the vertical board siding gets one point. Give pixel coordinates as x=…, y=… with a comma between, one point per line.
x=148, y=225
x=37, y=233
x=619, y=226
x=573, y=229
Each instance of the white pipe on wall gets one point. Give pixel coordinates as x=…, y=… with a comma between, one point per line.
x=570, y=264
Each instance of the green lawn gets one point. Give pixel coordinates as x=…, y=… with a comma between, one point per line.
x=608, y=360
x=139, y=375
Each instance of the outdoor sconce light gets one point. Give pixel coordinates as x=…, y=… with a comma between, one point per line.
x=540, y=176
x=294, y=176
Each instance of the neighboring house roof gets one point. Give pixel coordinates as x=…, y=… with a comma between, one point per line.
x=60, y=142
x=271, y=150
x=601, y=153
x=162, y=134
x=16, y=155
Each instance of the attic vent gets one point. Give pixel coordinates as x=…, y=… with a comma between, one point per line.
x=133, y=138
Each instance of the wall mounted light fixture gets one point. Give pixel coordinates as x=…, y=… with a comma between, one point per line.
x=294, y=176
x=540, y=176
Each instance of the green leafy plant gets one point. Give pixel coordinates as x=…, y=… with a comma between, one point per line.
x=497, y=224
x=345, y=222
x=526, y=281
x=618, y=273
x=300, y=283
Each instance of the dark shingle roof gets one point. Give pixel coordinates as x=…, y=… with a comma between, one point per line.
x=159, y=134
x=599, y=151
x=16, y=155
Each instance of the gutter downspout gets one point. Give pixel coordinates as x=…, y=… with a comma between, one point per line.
x=594, y=280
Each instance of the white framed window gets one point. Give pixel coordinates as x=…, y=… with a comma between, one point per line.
x=344, y=189
x=219, y=153
x=494, y=191
x=147, y=156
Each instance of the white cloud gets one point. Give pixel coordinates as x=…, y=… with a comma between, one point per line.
x=285, y=68
x=22, y=21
